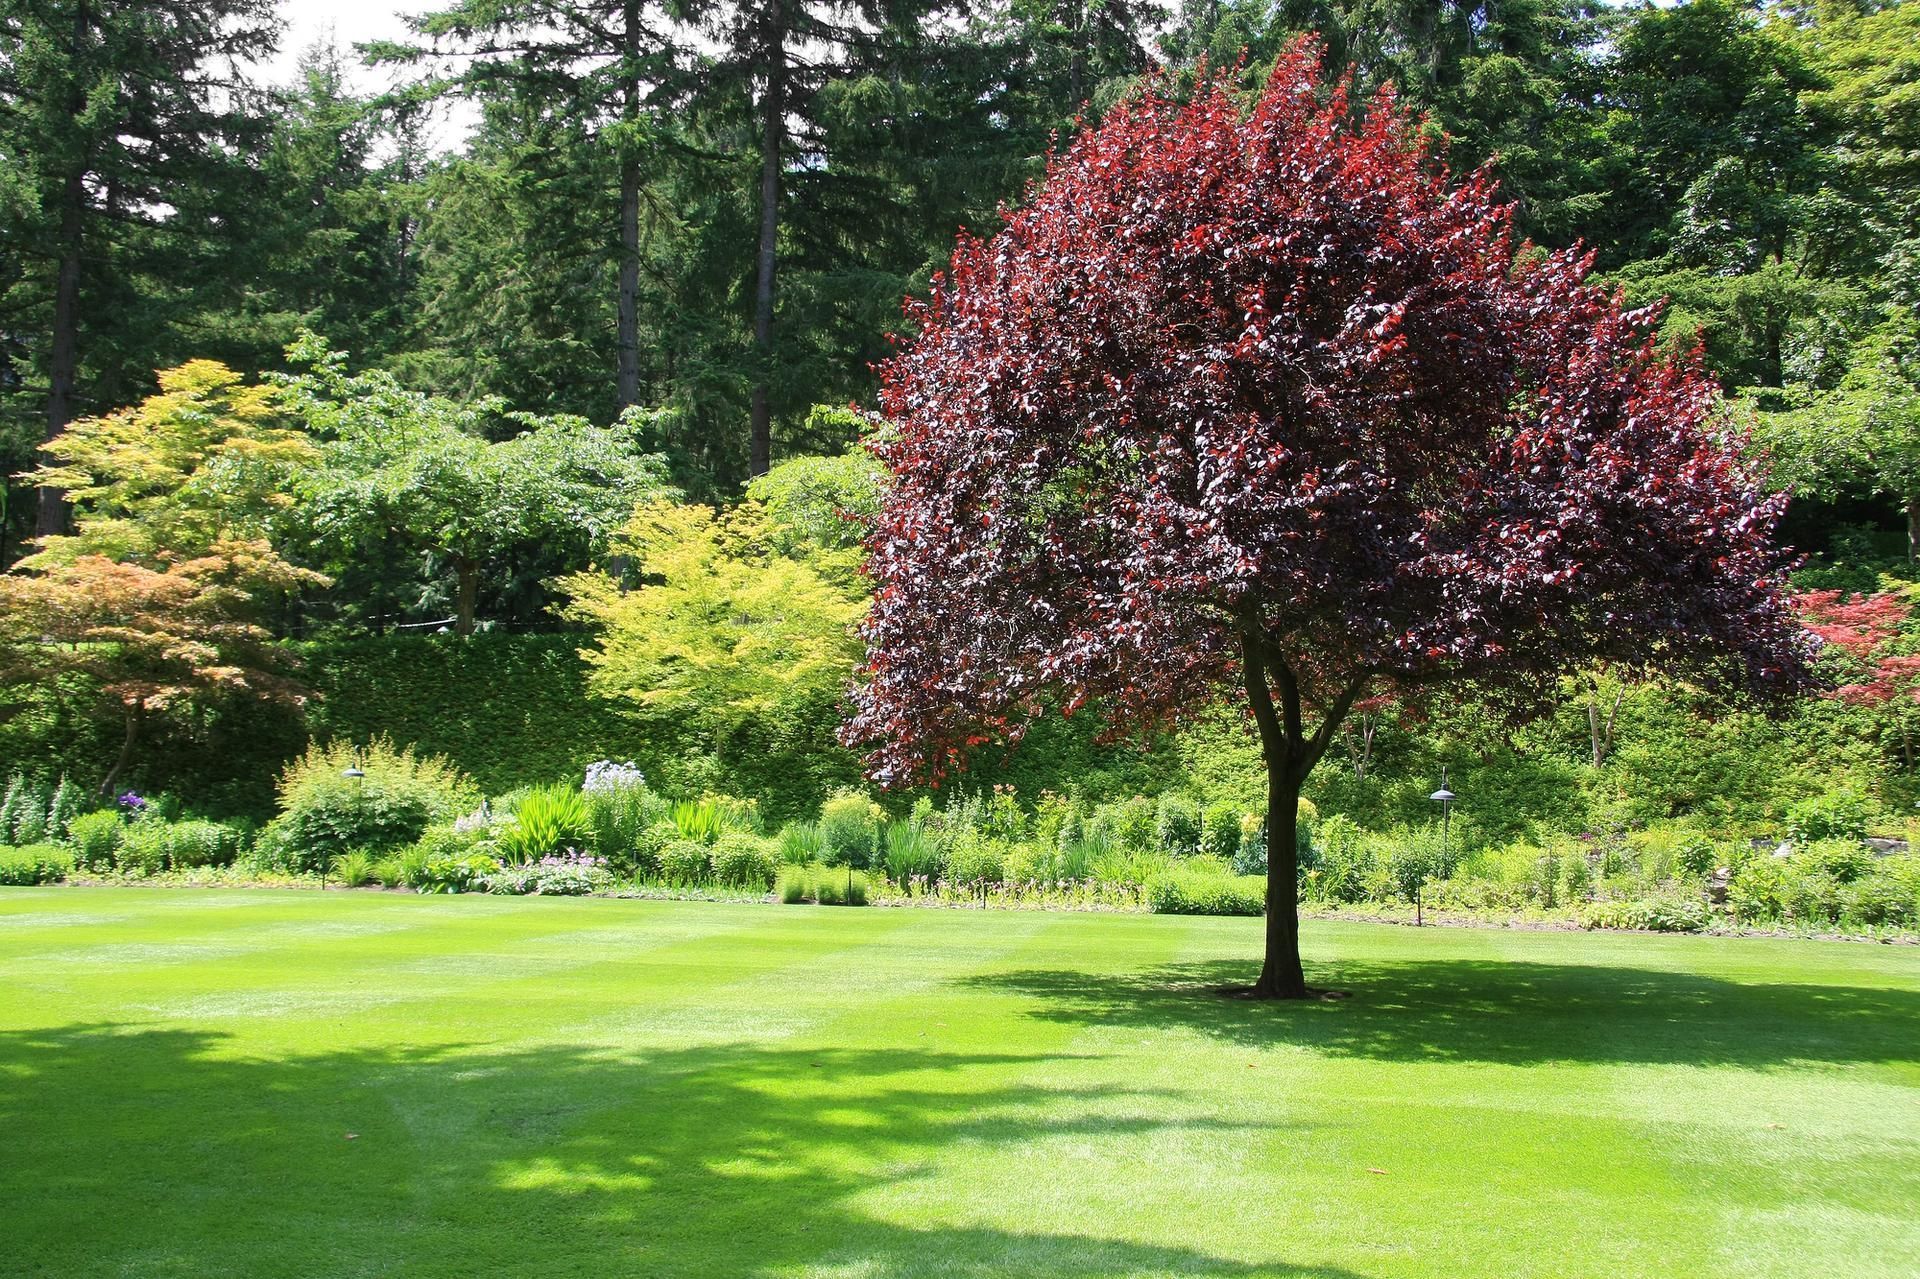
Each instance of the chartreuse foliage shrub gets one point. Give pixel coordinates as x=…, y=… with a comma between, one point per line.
x=687, y=862
x=95, y=838
x=850, y=828
x=822, y=885
x=34, y=864
x=397, y=794
x=1206, y=886
x=745, y=860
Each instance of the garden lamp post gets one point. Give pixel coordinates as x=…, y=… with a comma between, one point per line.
x=1444, y=798
x=352, y=774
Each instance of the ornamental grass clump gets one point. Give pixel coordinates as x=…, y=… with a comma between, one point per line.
x=547, y=820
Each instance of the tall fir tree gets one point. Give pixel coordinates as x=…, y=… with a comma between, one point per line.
x=124, y=131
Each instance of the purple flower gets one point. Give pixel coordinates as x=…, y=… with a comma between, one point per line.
x=132, y=802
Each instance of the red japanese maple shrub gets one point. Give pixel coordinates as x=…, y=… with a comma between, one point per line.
x=1267, y=402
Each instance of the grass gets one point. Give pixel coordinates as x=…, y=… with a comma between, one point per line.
x=211, y=1083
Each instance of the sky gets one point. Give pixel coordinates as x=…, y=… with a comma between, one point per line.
x=349, y=22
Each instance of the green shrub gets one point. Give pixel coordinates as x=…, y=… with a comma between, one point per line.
x=34, y=864
x=397, y=796
x=849, y=828
x=643, y=859
x=203, y=843
x=1176, y=825
x=800, y=844
x=795, y=884
x=911, y=853
x=95, y=838
x=354, y=869
x=822, y=885
x=548, y=819
x=1418, y=856
x=1844, y=860
x=1220, y=831
x=741, y=860
x=620, y=815
x=68, y=802
x=1757, y=893
x=390, y=872
x=1655, y=915
x=973, y=860
x=143, y=848
x=1839, y=815
x=840, y=886
x=1345, y=863
x=1886, y=898
x=686, y=861
x=23, y=811
x=1132, y=822
x=453, y=839
x=1190, y=891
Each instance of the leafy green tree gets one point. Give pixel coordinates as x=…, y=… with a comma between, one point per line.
x=420, y=470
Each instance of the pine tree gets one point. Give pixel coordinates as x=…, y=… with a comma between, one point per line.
x=121, y=127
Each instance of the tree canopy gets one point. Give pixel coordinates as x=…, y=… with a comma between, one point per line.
x=1264, y=400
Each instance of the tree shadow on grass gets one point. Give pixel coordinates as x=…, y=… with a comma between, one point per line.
x=166, y=1152
x=1511, y=1012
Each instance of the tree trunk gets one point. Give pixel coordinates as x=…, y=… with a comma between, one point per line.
x=1290, y=754
x=1280, y=973
x=1913, y=528
x=628, y=376
x=63, y=357
x=126, y=751
x=773, y=134
x=469, y=590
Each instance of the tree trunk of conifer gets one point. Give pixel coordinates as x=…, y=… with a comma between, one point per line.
x=773, y=129
x=63, y=356
x=628, y=387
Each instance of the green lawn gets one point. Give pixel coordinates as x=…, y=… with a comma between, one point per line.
x=202, y=1083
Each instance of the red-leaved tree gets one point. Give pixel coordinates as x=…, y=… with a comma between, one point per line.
x=1266, y=402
